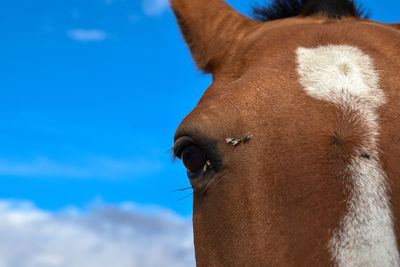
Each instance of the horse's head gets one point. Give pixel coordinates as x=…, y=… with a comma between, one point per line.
x=273, y=154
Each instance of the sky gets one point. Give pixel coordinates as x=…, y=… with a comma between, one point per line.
x=91, y=92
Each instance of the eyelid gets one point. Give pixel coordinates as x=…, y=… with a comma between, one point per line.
x=181, y=143
x=209, y=147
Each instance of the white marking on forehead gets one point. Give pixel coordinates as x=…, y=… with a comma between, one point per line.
x=345, y=76
x=328, y=72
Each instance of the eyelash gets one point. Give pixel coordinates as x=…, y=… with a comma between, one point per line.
x=213, y=161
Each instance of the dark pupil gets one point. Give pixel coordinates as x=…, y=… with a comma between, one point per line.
x=193, y=158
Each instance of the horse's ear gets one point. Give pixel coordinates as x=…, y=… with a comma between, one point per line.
x=211, y=29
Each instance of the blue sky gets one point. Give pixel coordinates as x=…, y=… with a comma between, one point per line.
x=91, y=94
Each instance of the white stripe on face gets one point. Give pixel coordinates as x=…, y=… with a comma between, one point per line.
x=345, y=76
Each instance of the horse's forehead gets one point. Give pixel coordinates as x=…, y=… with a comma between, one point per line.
x=264, y=56
x=263, y=71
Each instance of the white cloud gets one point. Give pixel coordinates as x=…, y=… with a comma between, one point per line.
x=100, y=167
x=103, y=236
x=84, y=35
x=155, y=7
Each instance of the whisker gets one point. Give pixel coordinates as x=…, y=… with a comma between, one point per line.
x=182, y=189
x=184, y=197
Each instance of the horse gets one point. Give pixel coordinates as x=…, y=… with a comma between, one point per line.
x=293, y=152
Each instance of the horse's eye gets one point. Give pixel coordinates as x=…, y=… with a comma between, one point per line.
x=193, y=158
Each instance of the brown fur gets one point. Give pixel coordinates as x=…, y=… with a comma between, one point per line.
x=277, y=199
x=211, y=30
